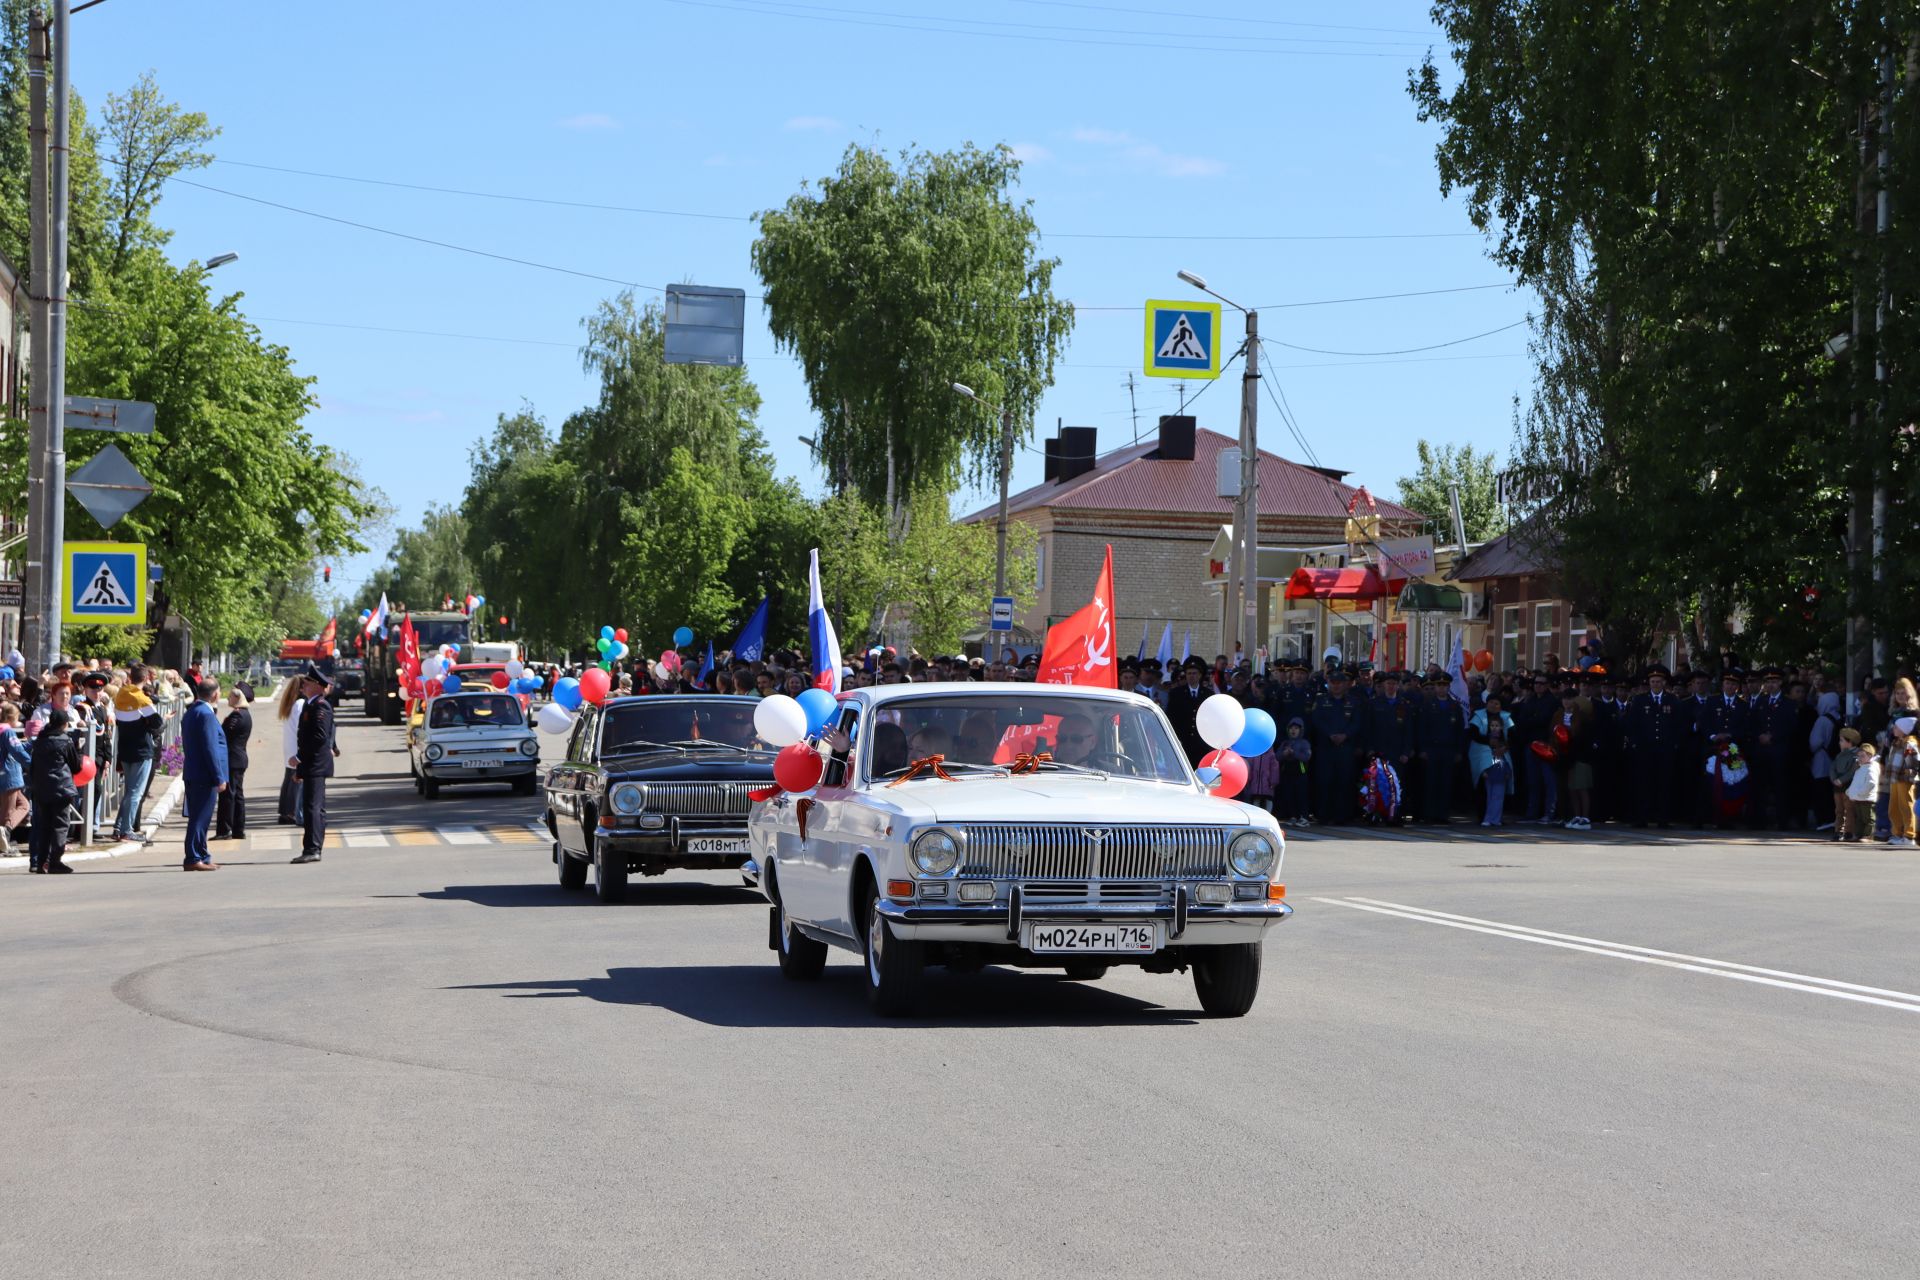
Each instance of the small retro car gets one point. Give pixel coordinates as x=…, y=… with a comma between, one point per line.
x=1037, y=826
x=473, y=737
x=654, y=784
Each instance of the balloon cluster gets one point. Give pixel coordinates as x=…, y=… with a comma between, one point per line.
x=568, y=693
x=612, y=644
x=1235, y=733
x=787, y=723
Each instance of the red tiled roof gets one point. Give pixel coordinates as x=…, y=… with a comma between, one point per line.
x=1137, y=479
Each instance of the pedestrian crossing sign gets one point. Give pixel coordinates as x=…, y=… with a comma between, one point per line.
x=1183, y=339
x=105, y=583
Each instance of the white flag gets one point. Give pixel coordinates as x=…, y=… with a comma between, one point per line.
x=1457, y=668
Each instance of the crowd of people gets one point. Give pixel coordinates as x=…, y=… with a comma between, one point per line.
x=1715, y=746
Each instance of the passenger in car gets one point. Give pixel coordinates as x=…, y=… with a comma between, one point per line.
x=889, y=748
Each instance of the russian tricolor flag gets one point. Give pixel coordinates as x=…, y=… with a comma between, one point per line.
x=378, y=618
x=824, y=645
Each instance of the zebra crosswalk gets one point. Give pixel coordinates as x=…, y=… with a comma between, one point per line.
x=281, y=840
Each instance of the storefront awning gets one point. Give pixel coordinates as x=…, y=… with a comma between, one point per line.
x=1428, y=597
x=1335, y=584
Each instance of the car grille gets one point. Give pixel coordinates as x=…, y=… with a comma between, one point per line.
x=700, y=799
x=999, y=851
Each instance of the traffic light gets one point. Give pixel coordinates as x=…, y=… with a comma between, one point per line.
x=503, y=621
x=326, y=574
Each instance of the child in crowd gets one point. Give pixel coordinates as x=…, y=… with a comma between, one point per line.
x=1498, y=777
x=1263, y=773
x=1862, y=790
x=1903, y=763
x=1846, y=758
x=1293, y=752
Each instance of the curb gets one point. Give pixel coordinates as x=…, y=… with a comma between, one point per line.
x=155, y=816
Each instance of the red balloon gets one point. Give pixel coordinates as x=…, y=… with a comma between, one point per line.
x=1233, y=771
x=797, y=768
x=500, y=680
x=594, y=684
x=84, y=774
x=1483, y=660
x=620, y=634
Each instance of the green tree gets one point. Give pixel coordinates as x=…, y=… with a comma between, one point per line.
x=945, y=574
x=890, y=285
x=1444, y=466
x=425, y=565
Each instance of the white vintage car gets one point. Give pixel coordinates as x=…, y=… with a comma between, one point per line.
x=473, y=737
x=1060, y=828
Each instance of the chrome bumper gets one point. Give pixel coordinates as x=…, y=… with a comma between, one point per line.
x=1188, y=923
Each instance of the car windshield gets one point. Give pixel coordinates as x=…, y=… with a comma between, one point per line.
x=479, y=711
x=1123, y=739
x=435, y=632
x=634, y=724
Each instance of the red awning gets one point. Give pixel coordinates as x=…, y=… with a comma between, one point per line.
x=1335, y=584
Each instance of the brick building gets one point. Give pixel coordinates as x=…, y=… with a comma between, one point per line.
x=1157, y=503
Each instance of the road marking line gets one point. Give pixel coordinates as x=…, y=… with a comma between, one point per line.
x=462, y=835
x=271, y=843
x=540, y=830
x=513, y=835
x=1908, y=1001
x=416, y=838
x=1650, y=951
x=364, y=839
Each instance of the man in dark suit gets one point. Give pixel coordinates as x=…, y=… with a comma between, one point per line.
x=1654, y=727
x=1339, y=727
x=1183, y=708
x=312, y=762
x=230, y=817
x=204, y=772
x=1439, y=734
x=1390, y=730
x=1721, y=716
x=1772, y=722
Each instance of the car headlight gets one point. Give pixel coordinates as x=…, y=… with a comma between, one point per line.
x=435, y=751
x=936, y=853
x=629, y=799
x=529, y=748
x=1251, y=855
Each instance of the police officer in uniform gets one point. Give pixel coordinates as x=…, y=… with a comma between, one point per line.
x=1772, y=721
x=1655, y=724
x=1339, y=727
x=1183, y=708
x=1390, y=731
x=1724, y=715
x=1439, y=734
x=312, y=762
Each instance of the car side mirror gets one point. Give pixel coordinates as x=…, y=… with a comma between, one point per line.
x=1208, y=775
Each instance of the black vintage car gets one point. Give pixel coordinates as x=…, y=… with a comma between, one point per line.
x=655, y=784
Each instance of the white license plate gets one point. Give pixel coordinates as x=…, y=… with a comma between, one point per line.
x=1081, y=939
x=715, y=844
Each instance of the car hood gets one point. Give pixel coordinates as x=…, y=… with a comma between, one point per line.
x=1058, y=798
x=475, y=737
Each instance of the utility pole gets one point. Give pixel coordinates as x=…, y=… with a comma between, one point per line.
x=1133, y=406
x=39, y=271
x=1250, y=488
x=1883, y=214
x=55, y=353
x=1006, y=465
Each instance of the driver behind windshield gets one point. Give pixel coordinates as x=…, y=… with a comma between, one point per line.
x=1073, y=740
x=889, y=749
x=929, y=740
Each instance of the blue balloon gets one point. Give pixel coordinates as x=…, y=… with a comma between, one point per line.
x=450, y=683
x=366, y=613
x=1257, y=738
x=566, y=692
x=528, y=684
x=6, y=673
x=819, y=706
x=682, y=637
x=606, y=633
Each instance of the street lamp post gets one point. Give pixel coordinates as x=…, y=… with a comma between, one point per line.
x=1006, y=465
x=1246, y=539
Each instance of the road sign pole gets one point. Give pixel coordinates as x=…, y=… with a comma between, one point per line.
x=33, y=612
x=55, y=352
x=1006, y=465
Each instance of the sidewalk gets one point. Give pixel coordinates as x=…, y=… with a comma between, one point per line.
x=1519, y=832
x=157, y=812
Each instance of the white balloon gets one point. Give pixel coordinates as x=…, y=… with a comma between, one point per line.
x=431, y=667
x=554, y=718
x=1221, y=721
x=779, y=720
x=515, y=668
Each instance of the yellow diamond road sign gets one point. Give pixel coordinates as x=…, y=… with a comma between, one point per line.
x=104, y=583
x=1183, y=339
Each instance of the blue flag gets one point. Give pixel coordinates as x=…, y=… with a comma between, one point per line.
x=706, y=668
x=1142, y=655
x=752, y=644
x=1165, y=654
x=1186, y=646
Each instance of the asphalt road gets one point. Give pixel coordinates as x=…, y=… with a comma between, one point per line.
x=422, y=1058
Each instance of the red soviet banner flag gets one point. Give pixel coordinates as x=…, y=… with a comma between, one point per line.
x=1079, y=649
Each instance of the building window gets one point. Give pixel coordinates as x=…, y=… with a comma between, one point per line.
x=1040, y=564
x=1576, y=636
x=1510, y=638
x=1542, y=634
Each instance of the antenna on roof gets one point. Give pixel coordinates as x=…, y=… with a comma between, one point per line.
x=1133, y=405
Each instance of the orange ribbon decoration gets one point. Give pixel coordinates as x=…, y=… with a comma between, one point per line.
x=1029, y=762
x=925, y=763
x=800, y=813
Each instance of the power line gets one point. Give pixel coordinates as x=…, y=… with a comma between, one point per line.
x=821, y=14
x=1087, y=31
x=1265, y=22
x=1405, y=351
x=602, y=207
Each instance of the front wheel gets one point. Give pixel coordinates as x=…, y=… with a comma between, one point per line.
x=1227, y=978
x=573, y=872
x=609, y=875
x=525, y=786
x=429, y=788
x=894, y=967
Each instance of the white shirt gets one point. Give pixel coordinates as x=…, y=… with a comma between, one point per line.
x=290, y=731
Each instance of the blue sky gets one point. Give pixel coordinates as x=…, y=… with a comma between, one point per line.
x=1260, y=120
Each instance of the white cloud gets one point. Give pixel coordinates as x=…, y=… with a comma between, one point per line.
x=813, y=124
x=1031, y=153
x=1150, y=156
x=590, y=120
